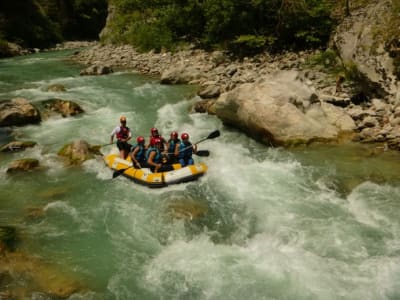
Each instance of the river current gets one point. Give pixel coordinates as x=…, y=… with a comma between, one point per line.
x=320, y=222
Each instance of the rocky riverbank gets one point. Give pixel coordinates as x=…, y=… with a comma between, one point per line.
x=217, y=74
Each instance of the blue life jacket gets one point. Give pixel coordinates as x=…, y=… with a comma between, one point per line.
x=140, y=155
x=187, y=153
x=172, y=144
x=157, y=157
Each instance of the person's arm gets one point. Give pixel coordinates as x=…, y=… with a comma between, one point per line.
x=176, y=151
x=165, y=144
x=129, y=136
x=194, y=148
x=112, y=136
x=133, y=156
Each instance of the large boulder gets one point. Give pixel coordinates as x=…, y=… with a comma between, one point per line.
x=77, y=152
x=282, y=110
x=18, y=111
x=180, y=74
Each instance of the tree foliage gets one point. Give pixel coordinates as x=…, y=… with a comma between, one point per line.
x=42, y=23
x=277, y=24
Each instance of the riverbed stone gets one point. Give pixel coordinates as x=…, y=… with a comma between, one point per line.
x=23, y=165
x=15, y=146
x=18, y=111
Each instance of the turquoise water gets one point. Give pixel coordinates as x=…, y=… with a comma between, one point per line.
x=263, y=223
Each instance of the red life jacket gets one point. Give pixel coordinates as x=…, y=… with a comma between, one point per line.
x=123, y=133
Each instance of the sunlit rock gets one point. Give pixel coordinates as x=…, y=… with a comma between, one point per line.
x=23, y=165
x=57, y=87
x=65, y=108
x=282, y=110
x=17, y=146
x=77, y=152
x=18, y=111
x=96, y=70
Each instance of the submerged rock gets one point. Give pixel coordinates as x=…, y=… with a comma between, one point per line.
x=22, y=165
x=34, y=275
x=56, y=88
x=187, y=209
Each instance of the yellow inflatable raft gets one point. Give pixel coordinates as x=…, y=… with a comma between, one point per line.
x=154, y=180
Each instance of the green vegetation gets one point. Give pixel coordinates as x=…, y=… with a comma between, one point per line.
x=243, y=26
x=42, y=23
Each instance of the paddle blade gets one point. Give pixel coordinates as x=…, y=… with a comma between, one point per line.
x=214, y=134
x=119, y=172
x=203, y=153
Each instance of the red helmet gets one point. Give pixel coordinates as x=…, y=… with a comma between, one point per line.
x=140, y=139
x=154, y=131
x=154, y=141
x=174, y=135
x=184, y=136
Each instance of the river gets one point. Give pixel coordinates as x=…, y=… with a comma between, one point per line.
x=316, y=222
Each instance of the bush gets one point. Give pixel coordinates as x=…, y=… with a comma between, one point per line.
x=245, y=45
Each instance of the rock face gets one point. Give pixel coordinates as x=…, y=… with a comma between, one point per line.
x=366, y=102
x=18, y=111
x=282, y=110
x=358, y=44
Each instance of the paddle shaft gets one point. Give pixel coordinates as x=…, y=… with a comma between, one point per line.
x=212, y=135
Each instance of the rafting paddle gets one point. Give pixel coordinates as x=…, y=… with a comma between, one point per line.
x=120, y=172
x=212, y=135
x=202, y=153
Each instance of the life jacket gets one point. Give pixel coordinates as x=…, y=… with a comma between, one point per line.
x=157, y=157
x=172, y=143
x=185, y=151
x=140, y=155
x=123, y=133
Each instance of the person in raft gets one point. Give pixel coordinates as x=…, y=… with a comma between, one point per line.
x=154, y=134
x=123, y=135
x=186, y=149
x=173, y=147
x=138, y=154
x=154, y=157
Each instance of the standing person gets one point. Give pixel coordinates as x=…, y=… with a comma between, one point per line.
x=154, y=134
x=173, y=147
x=154, y=157
x=138, y=154
x=123, y=135
x=186, y=149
